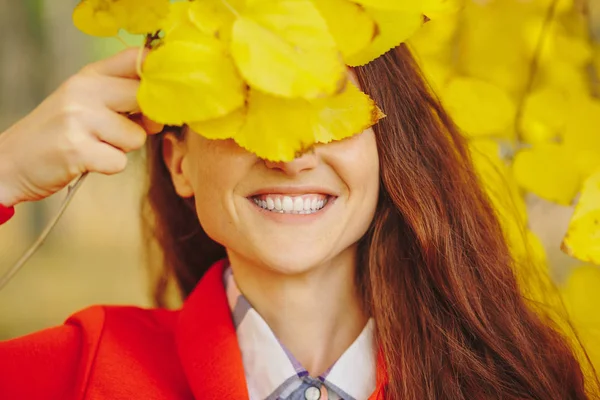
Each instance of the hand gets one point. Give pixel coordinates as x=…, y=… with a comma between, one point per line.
x=77, y=129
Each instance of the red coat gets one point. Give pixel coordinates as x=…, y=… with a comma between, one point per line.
x=124, y=353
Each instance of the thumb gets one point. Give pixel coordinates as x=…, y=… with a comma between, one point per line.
x=121, y=65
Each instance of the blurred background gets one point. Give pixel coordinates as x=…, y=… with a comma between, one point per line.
x=93, y=256
x=478, y=61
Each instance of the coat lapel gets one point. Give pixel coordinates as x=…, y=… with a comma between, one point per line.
x=207, y=343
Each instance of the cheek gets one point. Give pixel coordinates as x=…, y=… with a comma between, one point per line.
x=357, y=163
x=364, y=178
x=216, y=167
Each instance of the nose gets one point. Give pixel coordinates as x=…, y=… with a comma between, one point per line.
x=304, y=162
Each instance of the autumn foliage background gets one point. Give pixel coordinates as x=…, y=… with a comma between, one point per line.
x=520, y=78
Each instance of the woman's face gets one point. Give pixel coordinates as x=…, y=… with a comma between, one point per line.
x=286, y=216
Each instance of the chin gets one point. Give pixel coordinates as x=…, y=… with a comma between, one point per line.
x=294, y=262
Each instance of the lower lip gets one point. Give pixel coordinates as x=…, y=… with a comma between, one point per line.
x=294, y=218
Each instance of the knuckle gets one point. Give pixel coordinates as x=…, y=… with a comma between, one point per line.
x=76, y=87
x=74, y=137
x=73, y=85
x=74, y=153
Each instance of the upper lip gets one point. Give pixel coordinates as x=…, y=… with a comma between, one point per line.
x=291, y=190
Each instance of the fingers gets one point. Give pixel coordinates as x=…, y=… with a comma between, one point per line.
x=121, y=65
x=118, y=94
x=104, y=158
x=116, y=130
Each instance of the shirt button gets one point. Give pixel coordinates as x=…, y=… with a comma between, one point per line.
x=312, y=393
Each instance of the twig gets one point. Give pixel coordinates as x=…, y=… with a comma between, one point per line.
x=4, y=279
x=533, y=67
x=123, y=42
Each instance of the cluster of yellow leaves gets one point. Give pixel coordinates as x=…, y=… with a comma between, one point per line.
x=479, y=65
x=270, y=74
x=548, y=144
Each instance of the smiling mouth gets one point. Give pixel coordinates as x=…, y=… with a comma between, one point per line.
x=286, y=204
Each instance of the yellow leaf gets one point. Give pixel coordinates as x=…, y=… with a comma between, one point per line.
x=574, y=50
x=226, y=127
x=435, y=73
x=583, y=236
x=394, y=27
x=283, y=47
x=179, y=25
x=582, y=300
x=434, y=38
x=98, y=17
x=544, y=115
x=107, y=17
x=276, y=128
x=351, y=27
x=344, y=115
x=479, y=108
x=491, y=49
x=189, y=81
x=547, y=171
x=582, y=129
x=571, y=78
x=561, y=6
x=434, y=9
x=188, y=19
x=393, y=4
x=145, y=16
x=213, y=17
x=582, y=135
x=582, y=296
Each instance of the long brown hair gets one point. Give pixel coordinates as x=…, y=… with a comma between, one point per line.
x=435, y=269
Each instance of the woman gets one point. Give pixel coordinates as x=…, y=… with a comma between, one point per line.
x=373, y=267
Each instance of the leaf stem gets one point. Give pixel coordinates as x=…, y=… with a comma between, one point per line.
x=138, y=62
x=4, y=279
x=120, y=39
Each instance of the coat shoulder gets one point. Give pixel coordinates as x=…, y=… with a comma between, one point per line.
x=60, y=362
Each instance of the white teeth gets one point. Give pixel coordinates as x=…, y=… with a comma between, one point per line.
x=291, y=205
x=307, y=204
x=287, y=203
x=298, y=204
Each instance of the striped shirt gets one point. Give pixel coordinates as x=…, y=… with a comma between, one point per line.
x=273, y=373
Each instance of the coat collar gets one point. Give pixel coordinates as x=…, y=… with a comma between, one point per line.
x=207, y=343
